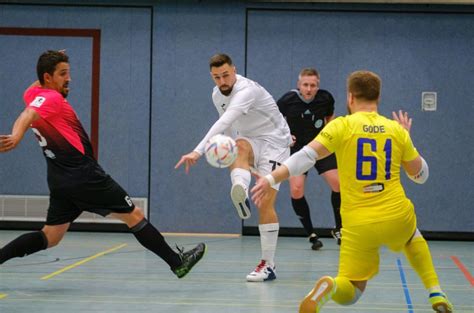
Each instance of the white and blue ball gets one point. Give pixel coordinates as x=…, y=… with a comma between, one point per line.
x=221, y=151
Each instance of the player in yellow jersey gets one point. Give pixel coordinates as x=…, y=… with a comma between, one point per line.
x=370, y=151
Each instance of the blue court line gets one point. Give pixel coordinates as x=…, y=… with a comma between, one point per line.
x=405, y=287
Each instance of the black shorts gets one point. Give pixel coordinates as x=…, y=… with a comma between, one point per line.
x=323, y=165
x=326, y=164
x=101, y=196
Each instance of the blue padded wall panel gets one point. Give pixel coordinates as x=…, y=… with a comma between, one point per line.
x=124, y=86
x=412, y=52
x=26, y=164
x=185, y=37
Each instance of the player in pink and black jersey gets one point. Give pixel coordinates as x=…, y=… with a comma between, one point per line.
x=76, y=181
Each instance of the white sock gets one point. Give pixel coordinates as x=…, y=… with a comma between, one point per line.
x=239, y=175
x=434, y=289
x=268, y=241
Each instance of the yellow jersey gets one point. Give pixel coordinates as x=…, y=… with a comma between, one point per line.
x=369, y=149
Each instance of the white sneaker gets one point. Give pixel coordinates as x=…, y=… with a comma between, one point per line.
x=262, y=272
x=238, y=194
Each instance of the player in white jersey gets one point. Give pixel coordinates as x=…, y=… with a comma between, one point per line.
x=250, y=115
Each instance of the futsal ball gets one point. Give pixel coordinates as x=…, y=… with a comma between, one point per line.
x=221, y=151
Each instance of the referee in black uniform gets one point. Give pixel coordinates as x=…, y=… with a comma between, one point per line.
x=307, y=110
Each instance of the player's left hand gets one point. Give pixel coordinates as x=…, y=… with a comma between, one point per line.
x=402, y=119
x=189, y=160
x=7, y=143
x=260, y=190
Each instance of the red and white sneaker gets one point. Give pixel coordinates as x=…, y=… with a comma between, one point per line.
x=262, y=272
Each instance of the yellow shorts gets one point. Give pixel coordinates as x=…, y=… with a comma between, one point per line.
x=359, y=254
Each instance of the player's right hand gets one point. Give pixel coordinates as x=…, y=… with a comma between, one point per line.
x=189, y=160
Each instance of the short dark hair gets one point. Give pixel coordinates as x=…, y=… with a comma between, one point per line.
x=219, y=59
x=308, y=71
x=364, y=85
x=47, y=63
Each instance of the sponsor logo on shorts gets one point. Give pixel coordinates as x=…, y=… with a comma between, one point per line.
x=128, y=200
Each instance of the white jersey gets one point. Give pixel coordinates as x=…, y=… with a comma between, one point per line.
x=249, y=111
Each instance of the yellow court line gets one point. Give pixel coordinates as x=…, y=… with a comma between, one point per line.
x=3, y=295
x=67, y=268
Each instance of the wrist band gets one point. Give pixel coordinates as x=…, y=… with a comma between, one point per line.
x=270, y=179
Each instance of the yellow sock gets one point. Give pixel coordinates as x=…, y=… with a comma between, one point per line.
x=345, y=291
x=419, y=256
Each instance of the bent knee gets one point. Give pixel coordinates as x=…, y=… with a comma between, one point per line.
x=54, y=234
x=137, y=213
x=297, y=192
x=132, y=218
x=244, y=147
x=53, y=238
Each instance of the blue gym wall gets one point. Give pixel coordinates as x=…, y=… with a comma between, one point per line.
x=155, y=92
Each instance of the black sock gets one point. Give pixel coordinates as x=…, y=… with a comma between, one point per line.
x=152, y=239
x=336, y=207
x=302, y=211
x=24, y=245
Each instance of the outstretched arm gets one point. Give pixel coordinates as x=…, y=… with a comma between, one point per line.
x=417, y=169
x=221, y=125
x=22, y=123
x=295, y=165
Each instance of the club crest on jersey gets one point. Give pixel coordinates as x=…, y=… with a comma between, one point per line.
x=37, y=102
x=318, y=123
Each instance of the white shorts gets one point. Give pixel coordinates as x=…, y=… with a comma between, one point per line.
x=267, y=156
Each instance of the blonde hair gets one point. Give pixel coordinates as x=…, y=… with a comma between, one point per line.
x=308, y=71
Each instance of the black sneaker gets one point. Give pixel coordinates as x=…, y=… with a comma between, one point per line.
x=316, y=243
x=336, y=234
x=189, y=259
